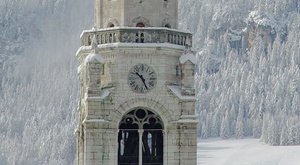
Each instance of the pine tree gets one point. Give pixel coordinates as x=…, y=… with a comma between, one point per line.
x=224, y=132
x=283, y=136
x=239, y=129
x=257, y=126
x=291, y=132
x=266, y=120
x=204, y=131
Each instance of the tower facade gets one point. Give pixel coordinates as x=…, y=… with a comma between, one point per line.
x=137, y=97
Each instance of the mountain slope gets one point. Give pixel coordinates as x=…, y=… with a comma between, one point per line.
x=248, y=77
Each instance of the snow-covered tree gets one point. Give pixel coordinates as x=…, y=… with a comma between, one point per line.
x=224, y=132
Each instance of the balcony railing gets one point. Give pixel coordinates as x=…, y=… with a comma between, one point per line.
x=137, y=35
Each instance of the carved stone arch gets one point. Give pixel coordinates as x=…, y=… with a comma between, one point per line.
x=111, y=22
x=166, y=23
x=148, y=104
x=142, y=20
x=140, y=133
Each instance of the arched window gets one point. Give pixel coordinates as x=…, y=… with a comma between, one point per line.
x=140, y=138
x=168, y=26
x=140, y=25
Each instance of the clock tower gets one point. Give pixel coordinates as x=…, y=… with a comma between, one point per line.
x=137, y=97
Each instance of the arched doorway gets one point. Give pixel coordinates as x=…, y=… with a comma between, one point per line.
x=140, y=139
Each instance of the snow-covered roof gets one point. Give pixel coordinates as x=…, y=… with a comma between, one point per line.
x=177, y=91
x=187, y=57
x=94, y=57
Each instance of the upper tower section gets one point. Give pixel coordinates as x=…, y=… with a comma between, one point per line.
x=136, y=13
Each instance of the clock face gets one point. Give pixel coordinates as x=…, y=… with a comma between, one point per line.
x=142, y=78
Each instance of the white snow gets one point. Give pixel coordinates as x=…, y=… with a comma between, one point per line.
x=94, y=121
x=94, y=57
x=177, y=91
x=263, y=19
x=245, y=152
x=129, y=28
x=187, y=121
x=104, y=93
x=79, y=69
x=131, y=45
x=188, y=57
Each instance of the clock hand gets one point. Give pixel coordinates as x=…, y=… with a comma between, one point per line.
x=142, y=78
x=144, y=83
x=137, y=74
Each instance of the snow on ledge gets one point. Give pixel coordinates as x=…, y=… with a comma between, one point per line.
x=177, y=91
x=94, y=57
x=76, y=131
x=94, y=121
x=94, y=30
x=79, y=69
x=187, y=121
x=187, y=57
x=104, y=93
x=188, y=117
x=131, y=45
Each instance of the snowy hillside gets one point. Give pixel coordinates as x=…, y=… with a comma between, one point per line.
x=248, y=78
x=245, y=152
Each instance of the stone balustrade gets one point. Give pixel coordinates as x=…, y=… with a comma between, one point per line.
x=136, y=35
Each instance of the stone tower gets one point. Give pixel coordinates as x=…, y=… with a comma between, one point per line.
x=137, y=97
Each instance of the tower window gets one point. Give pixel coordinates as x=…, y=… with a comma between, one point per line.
x=168, y=26
x=103, y=69
x=140, y=25
x=111, y=25
x=177, y=70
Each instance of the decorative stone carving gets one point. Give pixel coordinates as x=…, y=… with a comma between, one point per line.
x=136, y=35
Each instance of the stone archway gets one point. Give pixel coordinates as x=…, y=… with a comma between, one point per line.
x=111, y=23
x=153, y=105
x=140, y=138
x=140, y=20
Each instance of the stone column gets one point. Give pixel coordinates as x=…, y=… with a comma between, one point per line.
x=140, y=146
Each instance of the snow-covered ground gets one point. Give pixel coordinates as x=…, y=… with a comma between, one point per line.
x=245, y=152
